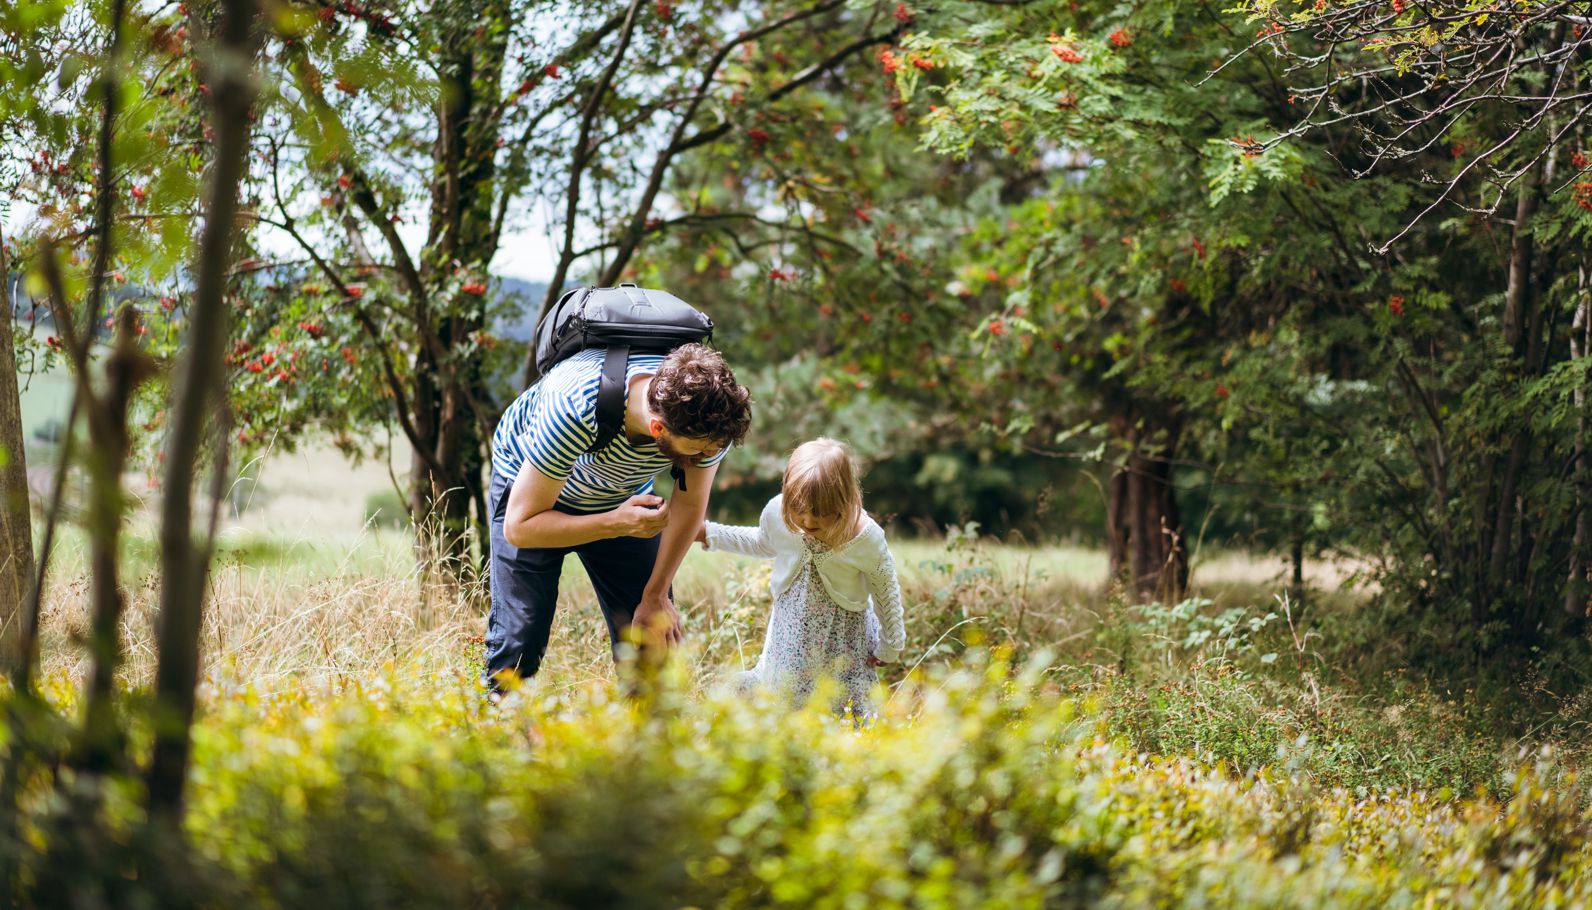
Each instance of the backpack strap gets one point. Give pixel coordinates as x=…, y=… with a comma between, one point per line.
x=611, y=397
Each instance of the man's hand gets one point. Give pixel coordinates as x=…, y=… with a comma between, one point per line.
x=644, y=515
x=657, y=619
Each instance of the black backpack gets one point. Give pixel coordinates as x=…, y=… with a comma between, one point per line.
x=622, y=320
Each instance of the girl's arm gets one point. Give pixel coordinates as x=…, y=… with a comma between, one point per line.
x=886, y=589
x=742, y=540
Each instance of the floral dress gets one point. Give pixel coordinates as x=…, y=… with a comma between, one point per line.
x=809, y=635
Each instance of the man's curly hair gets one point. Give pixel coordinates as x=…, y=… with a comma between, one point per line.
x=696, y=396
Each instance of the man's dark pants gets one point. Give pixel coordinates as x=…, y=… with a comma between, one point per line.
x=525, y=587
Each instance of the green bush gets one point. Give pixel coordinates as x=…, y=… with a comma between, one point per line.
x=386, y=510
x=979, y=786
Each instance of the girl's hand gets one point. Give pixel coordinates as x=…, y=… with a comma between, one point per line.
x=875, y=662
x=702, y=534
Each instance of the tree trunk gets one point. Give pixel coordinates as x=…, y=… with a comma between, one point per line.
x=16, y=521
x=1518, y=315
x=199, y=391
x=1144, y=526
x=1575, y=590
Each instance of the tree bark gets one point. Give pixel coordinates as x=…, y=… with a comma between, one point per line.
x=1575, y=590
x=16, y=518
x=1518, y=315
x=1144, y=525
x=198, y=392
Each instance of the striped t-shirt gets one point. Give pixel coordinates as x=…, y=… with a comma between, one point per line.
x=553, y=422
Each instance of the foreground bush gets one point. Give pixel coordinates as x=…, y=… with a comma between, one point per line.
x=979, y=787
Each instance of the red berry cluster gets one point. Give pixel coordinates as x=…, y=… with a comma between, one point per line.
x=1064, y=49
x=1583, y=195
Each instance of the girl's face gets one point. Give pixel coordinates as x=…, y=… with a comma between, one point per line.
x=817, y=526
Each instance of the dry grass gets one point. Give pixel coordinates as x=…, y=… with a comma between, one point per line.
x=291, y=612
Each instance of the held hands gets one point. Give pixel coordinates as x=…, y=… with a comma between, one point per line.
x=643, y=515
x=702, y=534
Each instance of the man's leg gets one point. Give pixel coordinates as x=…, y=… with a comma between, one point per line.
x=524, y=585
x=619, y=568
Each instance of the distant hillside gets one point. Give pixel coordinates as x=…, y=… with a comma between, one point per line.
x=521, y=324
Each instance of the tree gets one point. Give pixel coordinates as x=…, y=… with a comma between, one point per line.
x=198, y=398
x=502, y=108
x=1268, y=329
x=16, y=516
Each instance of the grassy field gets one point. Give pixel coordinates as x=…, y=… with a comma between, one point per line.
x=1044, y=744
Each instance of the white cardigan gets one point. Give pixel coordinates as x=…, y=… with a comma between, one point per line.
x=853, y=573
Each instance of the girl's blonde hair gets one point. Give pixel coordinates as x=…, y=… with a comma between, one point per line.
x=821, y=478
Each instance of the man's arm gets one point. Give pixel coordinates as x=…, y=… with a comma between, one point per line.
x=530, y=520
x=688, y=508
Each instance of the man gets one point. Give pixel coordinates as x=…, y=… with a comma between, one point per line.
x=550, y=498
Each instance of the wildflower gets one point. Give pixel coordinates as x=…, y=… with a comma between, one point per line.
x=889, y=60
x=356, y=291
x=664, y=10
x=997, y=327
x=1066, y=53
x=1579, y=160
x=777, y=274
x=314, y=329
x=867, y=319
x=1122, y=37
x=759, y=137
x=903, y=13
x=922, y=63
x=1221, y=390
x=550, y=71
x=348, y=355
x=862, y=215
x=1398, y=7
x=1395, y=305
x=140, y=193
x=825, y=310
x=1178, y=286
x=345, y=181
x=475, y=287
x=905, y=317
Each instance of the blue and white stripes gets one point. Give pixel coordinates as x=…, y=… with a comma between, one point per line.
x=551, y=424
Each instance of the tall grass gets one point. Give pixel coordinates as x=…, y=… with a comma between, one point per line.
x=1238, y=675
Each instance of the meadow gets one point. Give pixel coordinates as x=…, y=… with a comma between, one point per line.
x=1045, y=743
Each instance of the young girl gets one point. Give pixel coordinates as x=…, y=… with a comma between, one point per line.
x=837, y=604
